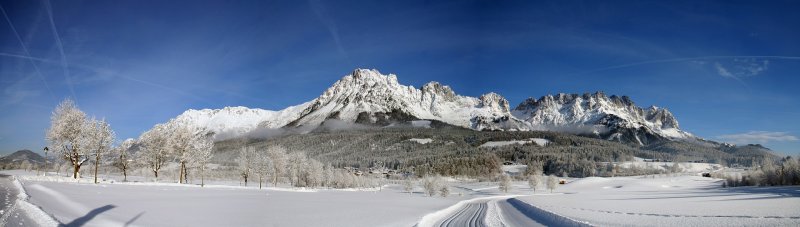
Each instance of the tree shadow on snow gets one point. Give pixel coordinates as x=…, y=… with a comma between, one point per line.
x=89, y=216
x=134, y=219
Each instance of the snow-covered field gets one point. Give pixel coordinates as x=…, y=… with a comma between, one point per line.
x=671, y=201
x=685, y=200
x=167, y=204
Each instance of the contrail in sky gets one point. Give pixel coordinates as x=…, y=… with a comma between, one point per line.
x=319, y=11
x=27, y=53
x=64, y=64
x=685, y=59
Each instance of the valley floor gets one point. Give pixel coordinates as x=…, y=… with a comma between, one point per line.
x=621, y=201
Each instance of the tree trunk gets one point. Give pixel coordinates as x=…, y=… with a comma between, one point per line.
x=96, y=165
x=124, y=174
x=202, y=178
x=180, y=178
x=259, y=181
x=75, y=169
x=245, y=180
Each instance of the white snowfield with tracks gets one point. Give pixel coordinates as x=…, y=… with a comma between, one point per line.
x=661, y=200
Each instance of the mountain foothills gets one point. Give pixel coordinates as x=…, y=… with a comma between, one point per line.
x=24, y=159
x=375, y=117
x=367, y=97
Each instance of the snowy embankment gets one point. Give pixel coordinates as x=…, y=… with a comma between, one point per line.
x=168, y=204
x=671, y=201
x=33, y=212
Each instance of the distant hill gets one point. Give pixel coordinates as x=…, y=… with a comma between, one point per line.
x=14, y=160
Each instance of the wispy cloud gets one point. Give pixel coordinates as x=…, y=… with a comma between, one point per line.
x=64, y=64
x=322, y=15
x=742, y=67
x=26, y=51
x=722, y=71
x=703, y=59
x=758, y=137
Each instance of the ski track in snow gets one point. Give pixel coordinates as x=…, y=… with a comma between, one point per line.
x=495, y=211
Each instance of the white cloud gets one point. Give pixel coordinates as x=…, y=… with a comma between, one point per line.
x=741, y=67
x=758, y=137
x=722, y=70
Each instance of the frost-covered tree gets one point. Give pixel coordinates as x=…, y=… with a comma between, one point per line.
x=201, y=155
x=180, y=143
x=245, y=163
x=430, y=184
x=297, y=165
x=316, y=171
x=66, y=134
x=444, y=190
x=505, y=183
x=262, y=167
x=123, y=157
x=408, y=185
x=154, y=153
x=533, y=181
x=98, y=138
x=277, y=157
x=327, y=175
x=552, y=182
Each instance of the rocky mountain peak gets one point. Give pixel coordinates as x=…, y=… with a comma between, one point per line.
x=495, y=102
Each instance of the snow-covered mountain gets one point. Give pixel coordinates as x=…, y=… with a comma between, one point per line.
x=614, y=118
x=233, y=121
x=368, y=97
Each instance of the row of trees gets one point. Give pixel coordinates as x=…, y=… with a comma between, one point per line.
x=78, y=138
x=786, y=172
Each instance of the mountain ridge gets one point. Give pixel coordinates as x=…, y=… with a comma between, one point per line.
x=366, y=96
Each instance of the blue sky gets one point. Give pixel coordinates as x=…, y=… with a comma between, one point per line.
x=728, y=70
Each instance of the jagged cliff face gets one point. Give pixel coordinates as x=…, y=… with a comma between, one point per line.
x=615, y=118
x=369, y=97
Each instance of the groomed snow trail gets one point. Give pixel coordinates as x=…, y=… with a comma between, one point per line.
x=495, y=211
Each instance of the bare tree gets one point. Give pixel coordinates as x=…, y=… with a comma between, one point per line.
x=533, y=181
x=315, y=173
x=408, y=185
x=262, y=167
x=98, y=138
x=245, y=163
x=180, y=142
x=505, y=183
x=123, y=161
x=552, y=182
x=430, y=184
x=297, y=165
x=201, y=155
x=154, y=154
x=277, y=157
x=444, y=190
x=66, y=134
x=327, y=175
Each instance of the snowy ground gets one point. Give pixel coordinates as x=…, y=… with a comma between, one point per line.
x=671, y=201
x=686, y=200
x=166, y=204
